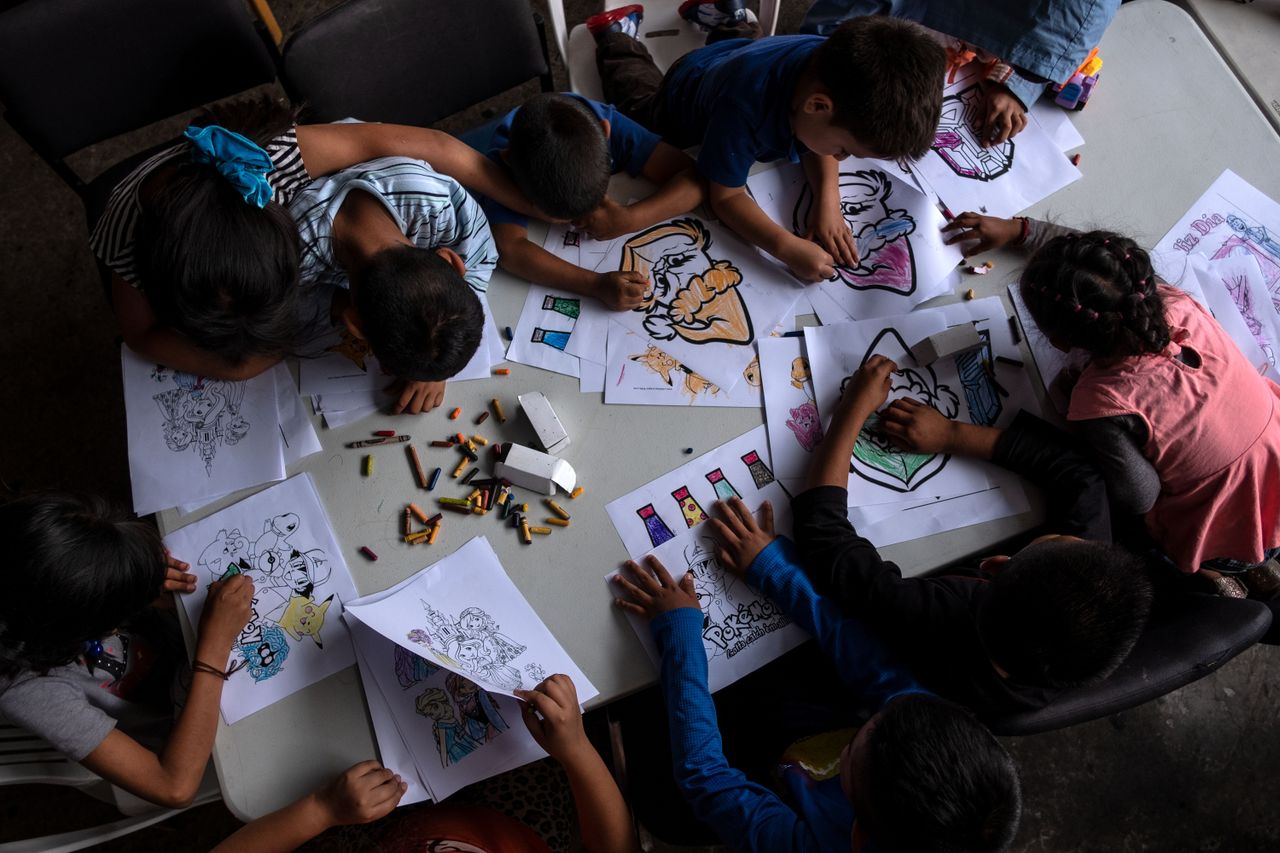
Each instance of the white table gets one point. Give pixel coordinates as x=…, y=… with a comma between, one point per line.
x=1165, y=123
x=1248, y=36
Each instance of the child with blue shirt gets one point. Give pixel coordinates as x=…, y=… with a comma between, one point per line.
x=921, y=774
x=559, y=150
x=869, y=90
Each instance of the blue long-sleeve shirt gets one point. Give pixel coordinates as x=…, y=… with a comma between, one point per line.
x=746, y=815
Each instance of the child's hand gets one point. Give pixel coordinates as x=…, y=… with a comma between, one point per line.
x=651, y=590
x=416, y=398
x=914, y=426
x=365, y=792
x=621, y=291
x=176, y=576
x=990, y=232
x=868, y=388
x=741, y=538
x=807, y=260
x=226, y=611
x=832, y=233
x=557, y=725
x=607, y=221
x=1005, y=117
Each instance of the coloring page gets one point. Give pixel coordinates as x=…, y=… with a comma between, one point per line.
x=791, y=411
x=454, y=732
x=742, y=630
x=639, y=373
x=1222, y=287
x=1050, y=361
x=879, y=472
x=590, y=377
x=710, y=294
x=464, y=614
x=917, y=519
x=547, y=321
x=902, y=260
x=281, y=539
x=297, y=434
x=999, y=180
x=192, y=438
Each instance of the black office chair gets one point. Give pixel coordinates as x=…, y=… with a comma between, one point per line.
x=410, y=61
x=1187, y=638
x=77, y=72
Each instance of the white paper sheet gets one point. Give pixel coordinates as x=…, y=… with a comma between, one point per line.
x=464, y=614
x=712, y=295
x=590, y=377
x=547, y=321
x=1056, y=123
x=1050, y=360
x=791, y=411
x=640, y=373
x=1005, y=497
x=903, y=260
x=742, y=630
x=192, y=439
x=297, y=433
x=1250, y=333
x=281, y=538
x=1000, y=180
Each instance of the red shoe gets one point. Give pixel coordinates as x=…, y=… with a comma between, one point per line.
x=625, y=20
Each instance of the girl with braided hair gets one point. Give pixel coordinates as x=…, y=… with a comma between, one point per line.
x=1187, y=431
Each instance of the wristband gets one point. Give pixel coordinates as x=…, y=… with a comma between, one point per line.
x=200, y=666
x=1026, y=230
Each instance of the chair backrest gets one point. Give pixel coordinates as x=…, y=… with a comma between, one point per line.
x=26, y=759
x=1186, y=640
x=76, y=72
x=411, y=61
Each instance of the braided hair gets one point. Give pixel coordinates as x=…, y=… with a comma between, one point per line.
x=1096, y=291
x=75, y=569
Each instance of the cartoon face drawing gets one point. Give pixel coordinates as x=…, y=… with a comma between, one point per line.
x=304, y=618
x=799, y=372
x=957, y=139
x=691, y=295
x=470, y=654
x=751, y=372
x=805, y=424
x=434, y=704
x=229, y=547
x=657, y=361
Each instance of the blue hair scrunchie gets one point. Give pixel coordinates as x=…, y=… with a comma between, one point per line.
x=236, y=158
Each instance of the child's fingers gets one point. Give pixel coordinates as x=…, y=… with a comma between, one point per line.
x=659, y=572
x=725, y=558
x=175, y=563
x=531, y=721
x=745, y=518
x=766, y=517
x=630, y=607
x=686, y=583
x=403, y=401
x=723, y=531
x=635, y=592
x=539, y=701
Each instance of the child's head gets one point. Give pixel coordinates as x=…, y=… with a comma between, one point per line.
x=882, y=78
x=1064, y=612
x=923, y=774
x=74, y=571
x=558, y=154
x=1096, y=291
x=421, y=318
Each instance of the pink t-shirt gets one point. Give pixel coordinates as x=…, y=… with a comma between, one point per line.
x=1214, y=437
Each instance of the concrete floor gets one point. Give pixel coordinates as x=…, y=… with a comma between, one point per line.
x=1190, y=772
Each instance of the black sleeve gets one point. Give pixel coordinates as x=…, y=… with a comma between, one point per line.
x=1074, y=487
x=1133, y=485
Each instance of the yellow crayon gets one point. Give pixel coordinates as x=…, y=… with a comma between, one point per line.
x=480, y=440
x=368, y=465
x=576, y=493
x=558, y=522
x=457, y=472
x=540, y=530
x=435, y=531
x=415, y=538
x=524, y=531
x=497, y=410
x=557, y=509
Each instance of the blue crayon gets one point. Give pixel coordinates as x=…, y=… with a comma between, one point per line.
x=435, y=475
x=510, y=335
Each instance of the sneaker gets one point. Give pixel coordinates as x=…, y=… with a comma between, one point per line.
x=625, y=20
x=710, y=14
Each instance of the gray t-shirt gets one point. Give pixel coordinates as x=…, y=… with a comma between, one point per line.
x=74, y=708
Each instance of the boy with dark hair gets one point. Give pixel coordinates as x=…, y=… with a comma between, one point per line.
x=560, y=150
x=872, y=89
x=921, y=774
x=1062, y=612
x=397, y=253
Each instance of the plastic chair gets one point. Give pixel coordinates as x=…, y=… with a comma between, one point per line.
x=28, y=760
x=410, y=61
x=667, y=36
x=1187, y=639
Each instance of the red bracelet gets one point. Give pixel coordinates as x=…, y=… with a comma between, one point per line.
x=1026, y=230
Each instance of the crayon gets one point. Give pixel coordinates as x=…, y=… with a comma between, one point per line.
x=408, y=521
x=688, y=451
x=435, y=519
x=467, y=480
x=480, y=439
x=497, y=410
x=368, y=466
x=541, y=530
x=524, y=507
x=475, y=493
x=577, y=493
x=368, y=552
x=1075, y=159
x=461, y=439
x=556, y=508
x=435, y=531
x=481, y=418
x=1014, y=330
x=1012, y=362
x=558, y=522
x=431, y=484
x=417, y=513
x=465, y=509
x=442, y=444
x=374, y=442
x=947, y=214
x=969, y=294
x=501, y=371
x=524, y=531
x=462, y=463
x=478, y=508
x=453, y=416
x=384, y=433
x=510, y=335
x=489, y=495
x=798, y=333
x=454, y=502
x=415, y=538
x=417, y=466
x=503, y=494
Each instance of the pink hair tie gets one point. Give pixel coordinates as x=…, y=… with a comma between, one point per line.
x=1126, y=256
x=1077, y=308
x=1142, y=297
x=1093, y=315
x=1106, y=242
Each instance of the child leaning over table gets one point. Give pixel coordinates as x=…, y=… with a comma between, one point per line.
x=920, y=774
x=399, y=255
x=78, y=665
x=1064, y=611
x=1186, y=431
x=560, y=150
x=870, y=90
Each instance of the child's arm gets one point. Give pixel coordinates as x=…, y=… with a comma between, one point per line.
x=827, y=224
x=988, y=233
x=154, y=341
x=173, y=777
x=679, y=191
x=365, y=792
x=747, y=816
x=619, y=291
x=326, y=148
x=604, y=821
x=806, y=259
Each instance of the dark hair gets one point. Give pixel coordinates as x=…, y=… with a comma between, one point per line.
x=1096, y=291
x=937, y=780
x=421, y=319
x=1064, y=613
x=74, y=570
x=885, y=77
x=559, y=156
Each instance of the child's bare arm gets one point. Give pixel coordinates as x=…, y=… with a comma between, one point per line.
x=149, y=338
x=827, y=224
x=866, y=392
x=679, y=191
x=738, y=210
x=619, y=291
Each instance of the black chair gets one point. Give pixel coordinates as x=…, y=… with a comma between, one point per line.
x=1187, y=638
x=412, y=61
